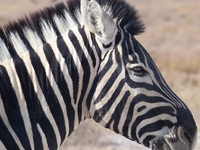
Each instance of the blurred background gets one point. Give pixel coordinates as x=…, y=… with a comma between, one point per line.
x=172, y=38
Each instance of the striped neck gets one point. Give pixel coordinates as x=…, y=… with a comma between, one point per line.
x=53, y=79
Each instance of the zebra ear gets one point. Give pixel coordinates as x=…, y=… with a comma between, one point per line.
x=98, y=21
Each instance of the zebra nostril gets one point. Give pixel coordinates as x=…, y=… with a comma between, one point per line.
x=184, y=135
x=153, y=147
x=187, y=137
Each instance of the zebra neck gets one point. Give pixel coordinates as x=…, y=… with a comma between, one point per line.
x=71, y=69
x=50, y=81
x=73, y=61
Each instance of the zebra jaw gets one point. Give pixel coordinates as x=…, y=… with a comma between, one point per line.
x=178, y=139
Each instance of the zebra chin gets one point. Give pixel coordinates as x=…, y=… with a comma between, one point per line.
x=179, y=139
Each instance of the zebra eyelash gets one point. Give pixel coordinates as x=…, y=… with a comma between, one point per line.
x=139, y=71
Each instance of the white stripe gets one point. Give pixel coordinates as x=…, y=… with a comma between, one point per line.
x=158, y=133
x=52, y=82
x=101, y=86
x=61, y=24
x=80, y=71
x=22, y=52
x=79, y=16
x=37, y=43
x=16, y=41
x=71, y=23
x=109, y=112
x=59, y=96
x=153, y=120
x=30, y=35
x=2, y=146
x=81, y=80
x=124, y=114
x=108, y=95
x=148, y=107
x=93, y=71
x=21, y=100
x=49, y=74
x=4, y=53
x=133, y=49
x=44, y=139
x=48, y=31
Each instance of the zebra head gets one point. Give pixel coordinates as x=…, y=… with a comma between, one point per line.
x=130, y=95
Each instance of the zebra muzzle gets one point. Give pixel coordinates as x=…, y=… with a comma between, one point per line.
x=179, y=139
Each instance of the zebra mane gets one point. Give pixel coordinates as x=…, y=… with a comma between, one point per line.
x=121, y=12
x=64, y=16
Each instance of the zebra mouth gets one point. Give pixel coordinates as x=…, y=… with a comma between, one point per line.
x=161, y=144
x=179, y=139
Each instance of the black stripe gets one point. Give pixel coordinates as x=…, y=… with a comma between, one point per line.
x=87, y=45
x=49, y=97
x=12, y=106
x=128, y=120
x=95, y=44
x=147, y=139
x=86, y=70
x=139, y=50
x=37, y=116
x=72, y=68
x=6, y=137
x=108, y=85
x=132, y=84
x=35, y=110
x=99, y=114
x=116, y=116
x=64, y=89
x=97, y=78
x=113, y=77
x=53, y=102
x=156, y=126
x=27, y=86
x=91, y=93
x=152, y=113
x=106, y=68
x=95, y=82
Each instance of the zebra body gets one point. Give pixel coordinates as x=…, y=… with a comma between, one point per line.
x=77, y=61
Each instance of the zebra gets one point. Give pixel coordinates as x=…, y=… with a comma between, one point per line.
x=80, y=59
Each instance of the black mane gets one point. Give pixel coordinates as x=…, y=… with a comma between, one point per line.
x=124, y=14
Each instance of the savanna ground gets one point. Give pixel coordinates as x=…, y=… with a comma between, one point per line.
x=172, y=38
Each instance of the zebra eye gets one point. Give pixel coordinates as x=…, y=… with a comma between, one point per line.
x=139, y=71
